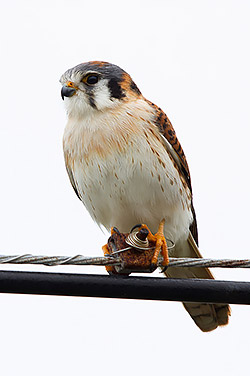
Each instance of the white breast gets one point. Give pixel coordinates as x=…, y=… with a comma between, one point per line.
x=124, y=175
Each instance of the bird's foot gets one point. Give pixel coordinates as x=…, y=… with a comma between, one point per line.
x=106, y=251
x=138, y=253
x=160, y=245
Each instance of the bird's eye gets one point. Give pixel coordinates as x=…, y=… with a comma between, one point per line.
x=91, y=79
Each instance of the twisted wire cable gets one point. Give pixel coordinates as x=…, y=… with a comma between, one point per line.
x=83, y=260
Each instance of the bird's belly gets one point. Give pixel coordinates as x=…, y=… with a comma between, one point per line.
x=138, y=186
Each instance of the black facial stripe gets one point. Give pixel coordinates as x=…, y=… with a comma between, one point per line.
x=115, y=89
x=91, y=97
x=92, y=101
x=134, y=87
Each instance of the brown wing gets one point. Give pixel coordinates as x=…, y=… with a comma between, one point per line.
x=166, y=129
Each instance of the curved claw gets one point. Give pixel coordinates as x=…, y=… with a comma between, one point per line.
x=114, y=230
x=109, y=255
x=152, y=267
x=164, y=269
x=136, y=226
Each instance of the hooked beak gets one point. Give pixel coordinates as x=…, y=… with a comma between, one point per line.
x=67, y=91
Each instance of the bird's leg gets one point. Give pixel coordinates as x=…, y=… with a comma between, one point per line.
x=160, y=245
x=106, y=251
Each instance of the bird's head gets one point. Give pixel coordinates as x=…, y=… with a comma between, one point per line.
x=96, y=86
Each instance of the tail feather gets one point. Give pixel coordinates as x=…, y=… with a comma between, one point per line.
x=206, y=316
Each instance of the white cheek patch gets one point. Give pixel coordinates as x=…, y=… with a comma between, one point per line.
x=78, y=105
x=102, y=96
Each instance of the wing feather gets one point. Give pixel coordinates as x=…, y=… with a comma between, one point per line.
x=173, y=146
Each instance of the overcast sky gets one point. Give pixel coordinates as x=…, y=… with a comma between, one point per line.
x=192, y=59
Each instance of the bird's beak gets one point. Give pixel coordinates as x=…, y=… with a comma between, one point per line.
x=67, y=91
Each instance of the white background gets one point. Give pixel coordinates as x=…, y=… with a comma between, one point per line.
x=192, y=59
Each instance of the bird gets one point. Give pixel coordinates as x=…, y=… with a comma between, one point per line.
x=127, y=166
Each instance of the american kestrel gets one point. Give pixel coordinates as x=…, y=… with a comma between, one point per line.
x=127, y=166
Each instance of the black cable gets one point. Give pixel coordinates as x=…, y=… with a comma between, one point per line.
x=91, y=285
